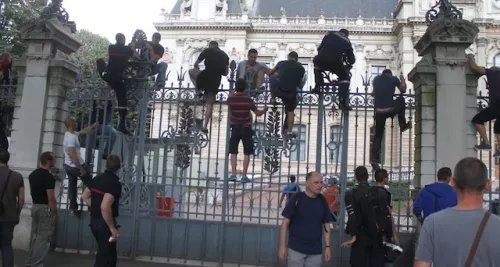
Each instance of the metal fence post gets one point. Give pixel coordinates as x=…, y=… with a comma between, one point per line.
x=319, y=134
x=343, y=177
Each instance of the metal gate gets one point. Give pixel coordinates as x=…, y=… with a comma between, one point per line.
x=177, y=203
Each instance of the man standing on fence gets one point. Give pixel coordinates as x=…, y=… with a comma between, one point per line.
x=119, y=54
x=240, y=107
x=253, y=72
x=334, y=50
x=435, y=197
x=305, y=217
x=286, y=86
x=465, y=235
x=492, y=112
x=208, y=81
x=103, y=198
x=384, y=87
x=102, y=113
x=73, y=161
x=43, y=211
x=11, y=204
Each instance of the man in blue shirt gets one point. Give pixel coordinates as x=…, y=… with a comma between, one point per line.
x=384, y=87
x=435, y=197
x=290, y=189
x=305, y=217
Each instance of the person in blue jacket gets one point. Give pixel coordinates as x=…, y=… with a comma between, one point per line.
x=435, y=197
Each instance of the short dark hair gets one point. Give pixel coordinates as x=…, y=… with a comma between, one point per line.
x=387, y=72
x=4, y=156
x=253, y=51
x=470, y=175
x=345, y=32
x=361, y=173
x=240, y=85
x=214, y=43
x=380, y=175
x=157, y=35
x=292, y=178
x=444, y=173
x=45, y=157
x=293, y=55
x=119, y=36
x=113, y=163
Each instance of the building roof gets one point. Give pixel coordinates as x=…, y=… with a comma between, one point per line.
x=233, y=7
x=331, y=8
x=312, y=8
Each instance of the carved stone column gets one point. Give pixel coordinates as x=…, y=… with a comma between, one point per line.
x=446, y=99
x=41, y=107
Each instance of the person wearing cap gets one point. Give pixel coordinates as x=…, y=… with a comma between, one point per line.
x=492, y=112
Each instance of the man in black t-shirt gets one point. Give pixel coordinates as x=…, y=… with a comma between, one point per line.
x=335, y=48
x=119, y=54
x=43, y=211
x=492, y=112
x=291, y=79
x=103, y=198
x=157, y=50
x=208, y=80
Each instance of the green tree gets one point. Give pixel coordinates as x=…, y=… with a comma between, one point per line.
x=13, y=15
x=93, y=47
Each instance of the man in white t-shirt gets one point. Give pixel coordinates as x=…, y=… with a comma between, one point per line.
x=74, y=164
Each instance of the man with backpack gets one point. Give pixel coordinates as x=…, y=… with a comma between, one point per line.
x=305, y=217
x=369, y=220
x=435, y=197
x=290, y=189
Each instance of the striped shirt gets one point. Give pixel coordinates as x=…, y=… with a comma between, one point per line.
x=240, y=106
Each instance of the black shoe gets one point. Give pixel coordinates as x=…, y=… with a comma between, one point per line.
x=101, y=66
x=124, y=130
x=406, y=127
x=345, y=107
x=375, y=165
x=482, y=146
x=315, y=90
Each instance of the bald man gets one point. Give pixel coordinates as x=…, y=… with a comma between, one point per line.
x=74, y=165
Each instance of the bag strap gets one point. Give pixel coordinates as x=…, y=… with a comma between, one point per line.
x=475, y=244
x=6, y=184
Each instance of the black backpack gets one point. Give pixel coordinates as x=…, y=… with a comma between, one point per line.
x=375, y=212
x=298, y=196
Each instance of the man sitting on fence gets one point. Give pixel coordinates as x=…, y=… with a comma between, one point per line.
x=253, y=72
x=119, y=54
x=334, y=48
x=384, y=87
x=209, y=79
x=240, y=120
x=291, y=79
x=492, y=112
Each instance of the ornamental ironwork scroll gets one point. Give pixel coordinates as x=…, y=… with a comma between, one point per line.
x=442, y=8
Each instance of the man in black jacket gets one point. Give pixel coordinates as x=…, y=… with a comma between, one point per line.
x=333, y=51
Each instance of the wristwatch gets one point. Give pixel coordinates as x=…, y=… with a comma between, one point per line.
x=327, y=246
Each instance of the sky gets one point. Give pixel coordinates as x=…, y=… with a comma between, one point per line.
x=106, y=17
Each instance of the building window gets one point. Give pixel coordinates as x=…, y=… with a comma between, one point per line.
x=377, y=70
x=496, y=60
x=299, y=154
x=335, y=143
x=194, y=57
x=306, y=76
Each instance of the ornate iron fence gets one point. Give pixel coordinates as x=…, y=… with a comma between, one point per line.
x=177, y=202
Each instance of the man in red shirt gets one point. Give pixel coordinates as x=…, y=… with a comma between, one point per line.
x=240, y=105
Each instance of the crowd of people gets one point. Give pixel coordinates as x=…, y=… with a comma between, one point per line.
x=455, y=228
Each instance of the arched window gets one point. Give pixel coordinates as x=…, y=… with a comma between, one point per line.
x=496, y=60
x=194, y=57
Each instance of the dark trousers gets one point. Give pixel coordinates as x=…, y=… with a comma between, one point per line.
x=492, y=112
x=106, y=251
x=367, y=255
x=6, y=236
x=116, y=82
x=336, y=67
x=73, y=175
x=380, y=118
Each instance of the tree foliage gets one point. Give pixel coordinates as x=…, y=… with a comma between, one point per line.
x=13, y=15
x=93, y=47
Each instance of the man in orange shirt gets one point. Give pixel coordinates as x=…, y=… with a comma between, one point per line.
x=331, y=193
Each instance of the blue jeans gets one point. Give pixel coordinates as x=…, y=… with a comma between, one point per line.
x=161, y=70
x=107, y=134
x=73, y=175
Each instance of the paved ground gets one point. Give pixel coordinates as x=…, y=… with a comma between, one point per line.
x=56, y=259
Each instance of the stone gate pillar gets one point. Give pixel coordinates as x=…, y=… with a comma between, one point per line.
x=445, y=90
x=46, y=73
